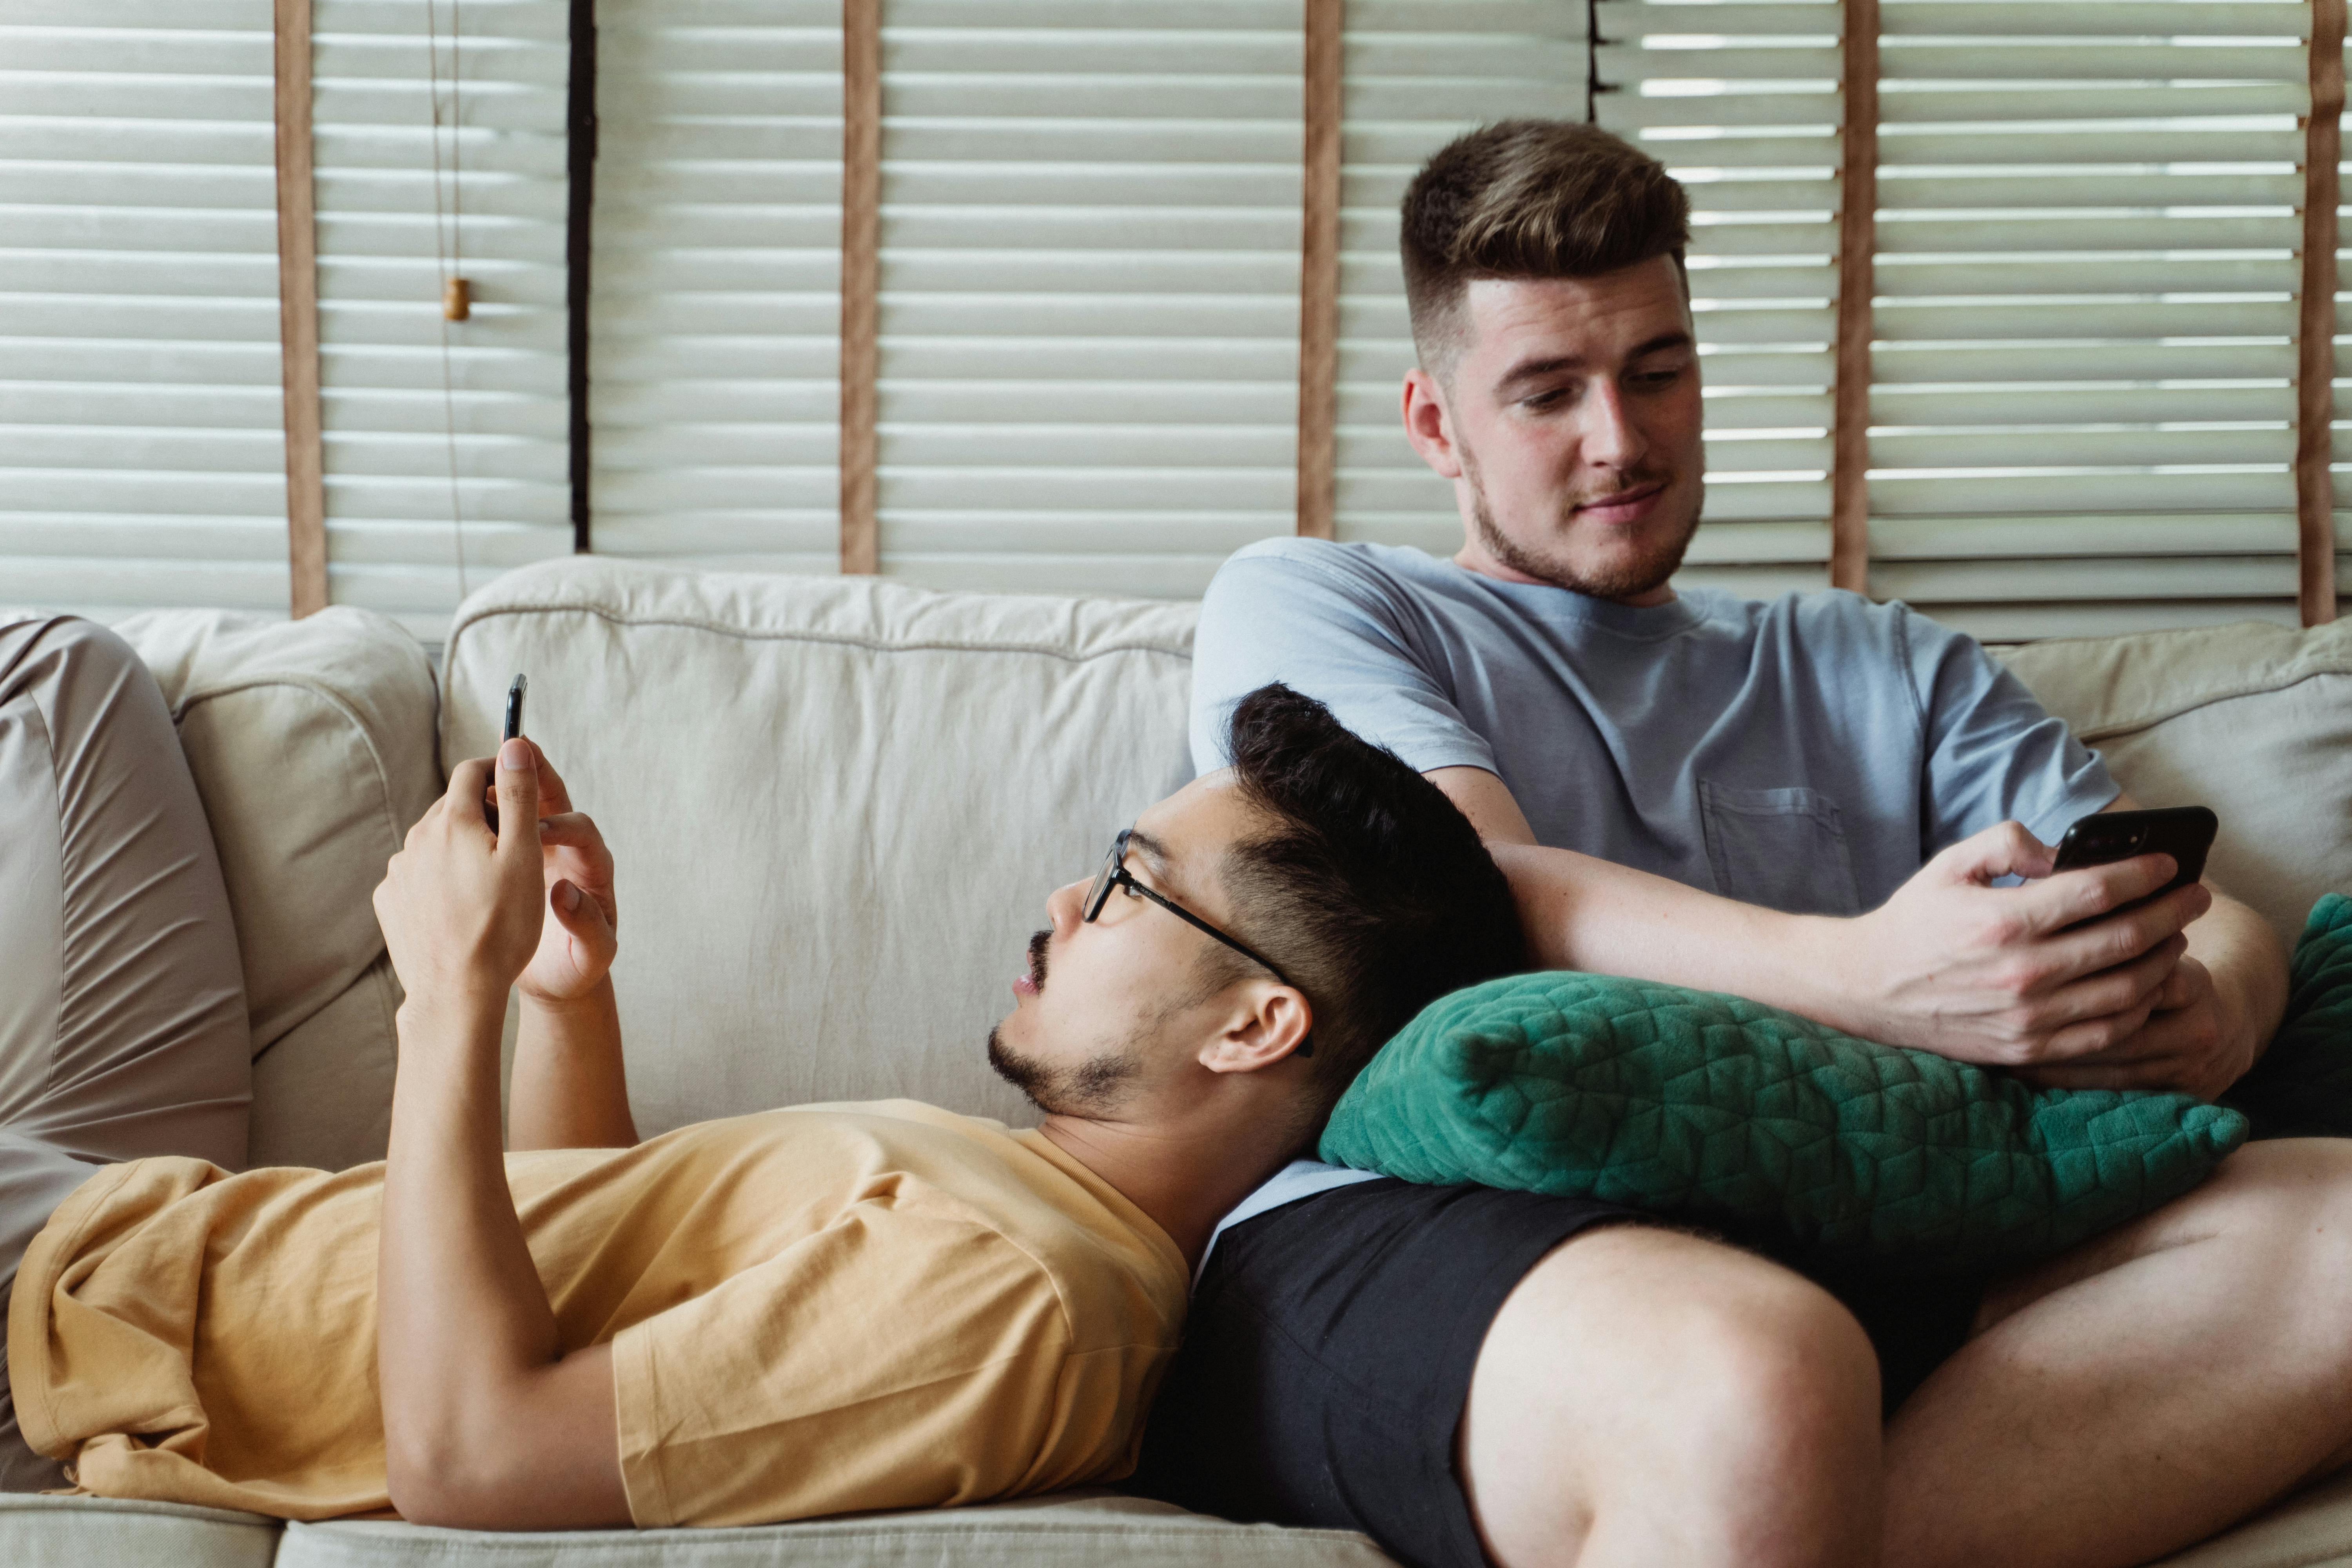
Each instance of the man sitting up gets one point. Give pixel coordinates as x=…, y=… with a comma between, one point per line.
x=795, y=1313
x=1816, y=802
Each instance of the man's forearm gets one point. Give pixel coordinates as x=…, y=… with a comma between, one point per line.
x=1590, y=914
x=571, y=1087
x=467, y=1346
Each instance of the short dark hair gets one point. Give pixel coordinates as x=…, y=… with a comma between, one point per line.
x=1366, y=884
x=1529, y=198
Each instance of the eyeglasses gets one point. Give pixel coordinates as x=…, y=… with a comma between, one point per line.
x=1115, y=874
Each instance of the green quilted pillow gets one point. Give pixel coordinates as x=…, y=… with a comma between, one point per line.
x=2302, y=1087
x=1723, y=1112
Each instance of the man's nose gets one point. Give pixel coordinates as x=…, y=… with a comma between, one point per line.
x=1611, y=439
x=1064, y=905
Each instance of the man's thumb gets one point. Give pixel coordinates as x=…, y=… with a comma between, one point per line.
x=517, y=792
x=579, y=914
x=2004, y=849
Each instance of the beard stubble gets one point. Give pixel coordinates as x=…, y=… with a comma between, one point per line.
x=1628, y=580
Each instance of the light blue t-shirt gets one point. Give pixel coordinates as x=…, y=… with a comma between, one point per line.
x=1808, y=753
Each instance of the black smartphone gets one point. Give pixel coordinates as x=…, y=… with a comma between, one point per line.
x=512, y=727
x=2183, y=832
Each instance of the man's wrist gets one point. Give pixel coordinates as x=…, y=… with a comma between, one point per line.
x=460, y=1011
x=595, y=1001
x=1812, y=954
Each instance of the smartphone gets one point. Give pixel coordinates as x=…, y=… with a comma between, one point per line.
x=512, y=727
x=2183, y=832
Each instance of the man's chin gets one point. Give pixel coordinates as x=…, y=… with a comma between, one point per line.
x=1093, y=1088
x=1016, y=1070
x=1622, y=570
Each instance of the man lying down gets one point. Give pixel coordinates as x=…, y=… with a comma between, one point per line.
x=796, y=1313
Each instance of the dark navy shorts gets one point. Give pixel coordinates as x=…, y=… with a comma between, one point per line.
x=1331, y=1342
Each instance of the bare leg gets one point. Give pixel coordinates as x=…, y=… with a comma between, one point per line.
x=2147, y=1389
x=1646, y=1397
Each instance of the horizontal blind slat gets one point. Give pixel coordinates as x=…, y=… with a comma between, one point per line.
x=396, y=417
x=715, y=302
x=141, y=449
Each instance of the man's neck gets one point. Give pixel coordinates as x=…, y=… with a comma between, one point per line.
x=1185, y=1180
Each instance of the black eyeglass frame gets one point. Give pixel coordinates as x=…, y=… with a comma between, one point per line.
x=1115, y=874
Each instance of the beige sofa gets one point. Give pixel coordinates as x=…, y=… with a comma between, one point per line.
x=837, y=806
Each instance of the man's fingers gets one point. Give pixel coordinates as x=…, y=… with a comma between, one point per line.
x=470, y=786
x=575, y=828
x=553, y=796
x=2111, y=990
x=518, y=779
x=579, y=913
x=2122, y=938
x=2094, y=1041
x=2004, y=849
x=2070, y=898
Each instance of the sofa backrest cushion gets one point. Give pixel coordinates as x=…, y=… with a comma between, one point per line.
x=837, y=806
x=2254, y=720
x=311, y=743
x=312, y=746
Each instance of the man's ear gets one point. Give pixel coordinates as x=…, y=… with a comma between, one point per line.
x=1270, y=1024
x=1428, y=426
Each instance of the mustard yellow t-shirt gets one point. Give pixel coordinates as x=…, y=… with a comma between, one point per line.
x=812, y=1311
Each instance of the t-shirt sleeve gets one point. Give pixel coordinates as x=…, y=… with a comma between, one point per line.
x=897, y=1359
x=1326, y=627
x=1993, y=752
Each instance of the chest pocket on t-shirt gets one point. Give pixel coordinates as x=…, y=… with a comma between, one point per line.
x=1783, y=849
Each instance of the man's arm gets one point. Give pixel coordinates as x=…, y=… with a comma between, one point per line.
x=1949, y=964
x=487, y=1423
x=569, y=1088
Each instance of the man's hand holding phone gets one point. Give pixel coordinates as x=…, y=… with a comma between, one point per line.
x=459, y=904
x=579, y=936
x=2057, y=978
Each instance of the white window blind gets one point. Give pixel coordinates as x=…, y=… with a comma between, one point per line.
x=392, y=427
x=1089, y=290
x=1418, y=73
x=1740, y=102
x=714, y=346
x=2083, y=400
x=142, y=454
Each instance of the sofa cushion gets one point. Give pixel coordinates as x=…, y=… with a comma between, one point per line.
x=311, y=743
x=105, y=1531
x=836, y=806
x=2253, y=720
x=1069, y=1530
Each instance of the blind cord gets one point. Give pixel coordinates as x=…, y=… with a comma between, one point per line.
x=456, y=301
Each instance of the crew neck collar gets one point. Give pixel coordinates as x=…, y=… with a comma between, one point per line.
x=1643, y=623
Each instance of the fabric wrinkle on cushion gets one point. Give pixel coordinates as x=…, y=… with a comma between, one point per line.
x=1726, y=1112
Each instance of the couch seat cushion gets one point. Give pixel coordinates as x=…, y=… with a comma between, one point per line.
x=1068, y=1529
x=102, y=1532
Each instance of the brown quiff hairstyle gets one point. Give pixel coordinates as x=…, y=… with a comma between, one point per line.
x=1529, y=198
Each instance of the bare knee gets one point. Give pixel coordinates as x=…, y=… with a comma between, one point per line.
x=1664, y=1398
x=1776, y=1390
